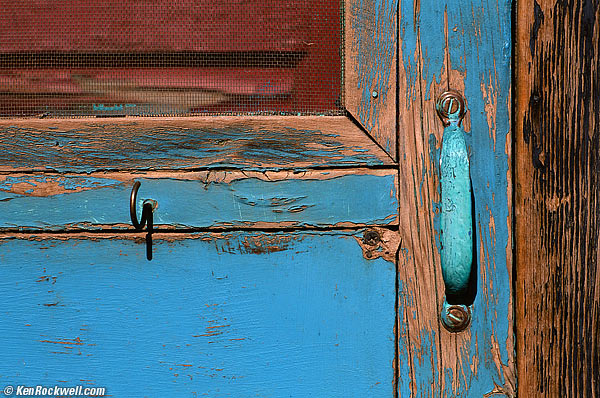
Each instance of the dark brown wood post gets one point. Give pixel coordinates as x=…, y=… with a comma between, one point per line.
x=558, y=198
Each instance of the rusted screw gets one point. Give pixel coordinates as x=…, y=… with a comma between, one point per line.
x=455, y=317
x=451, y=106
x=371, y=238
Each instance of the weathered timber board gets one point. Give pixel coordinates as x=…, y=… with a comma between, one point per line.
x=558, y=198
x=87, y=145
x=239, y=314
x=464, y=46
x=371, y=34
x=207, y=199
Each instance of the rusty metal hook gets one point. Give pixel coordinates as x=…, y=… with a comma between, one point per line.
x=147, y=219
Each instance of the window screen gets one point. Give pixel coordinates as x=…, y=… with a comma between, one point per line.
x=165, y=57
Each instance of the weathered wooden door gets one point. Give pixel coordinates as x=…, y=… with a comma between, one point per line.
x=296, y=238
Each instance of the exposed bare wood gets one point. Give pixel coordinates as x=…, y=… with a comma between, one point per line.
x=379, y=242
x=370, y=68
x=558, y=198
x=260, y=142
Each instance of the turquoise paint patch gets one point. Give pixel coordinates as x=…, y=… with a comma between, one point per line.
x=105, y=108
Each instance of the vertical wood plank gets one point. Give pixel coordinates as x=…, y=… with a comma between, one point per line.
x=370, y=67
x=463, y=46
x=557, y=198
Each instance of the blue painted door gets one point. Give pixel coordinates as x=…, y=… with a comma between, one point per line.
x=306, y=311
x=220, y=315
x=293, y=256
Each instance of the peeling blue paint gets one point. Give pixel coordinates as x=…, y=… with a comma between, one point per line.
x=195, y=204
x=404, y=365
x=432, y=40
x=477, y=38
x=71, y=183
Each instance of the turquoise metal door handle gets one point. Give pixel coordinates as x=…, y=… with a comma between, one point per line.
x=456, y=236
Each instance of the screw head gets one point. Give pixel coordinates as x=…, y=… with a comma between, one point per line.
x=450, y=107
x=455, y=317
x=371, y=237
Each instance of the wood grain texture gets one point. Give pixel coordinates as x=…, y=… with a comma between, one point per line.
x=371, y=34
x=251, y=143
x=210, y=199
x=558, y=198
x=219, y=315
x=463, y=46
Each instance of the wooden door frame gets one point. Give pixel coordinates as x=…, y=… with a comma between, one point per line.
x=464, y=46
x=369, y=40
x=557, y=187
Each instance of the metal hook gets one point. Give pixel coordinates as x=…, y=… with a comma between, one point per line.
x=147, y=219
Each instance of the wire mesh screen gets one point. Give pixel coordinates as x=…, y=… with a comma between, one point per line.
x=165, y=57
